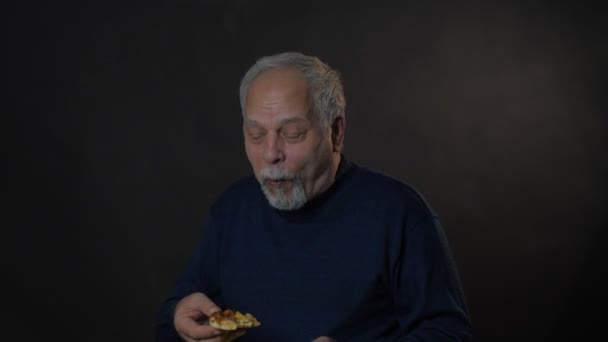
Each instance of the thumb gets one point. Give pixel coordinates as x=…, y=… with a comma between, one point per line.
x=206, y=305
x=196, y=302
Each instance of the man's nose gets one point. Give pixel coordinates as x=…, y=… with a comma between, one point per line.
x=273, y=150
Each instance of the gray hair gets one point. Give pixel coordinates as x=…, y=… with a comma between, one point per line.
x=324, y=83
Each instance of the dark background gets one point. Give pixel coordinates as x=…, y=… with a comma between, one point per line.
x=124, y=126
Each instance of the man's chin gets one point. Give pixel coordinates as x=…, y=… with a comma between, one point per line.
x=285, y=205
x=292, y=199
x=275, y=194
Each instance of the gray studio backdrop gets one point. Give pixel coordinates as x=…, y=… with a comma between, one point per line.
x=128, y=127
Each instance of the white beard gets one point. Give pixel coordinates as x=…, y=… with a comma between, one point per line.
x=277, y=197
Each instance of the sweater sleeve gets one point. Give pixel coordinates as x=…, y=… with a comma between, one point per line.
x=200, y=274
x=429, y=300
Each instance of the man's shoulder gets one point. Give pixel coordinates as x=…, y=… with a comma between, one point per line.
x=383, y=182
x=382, y=187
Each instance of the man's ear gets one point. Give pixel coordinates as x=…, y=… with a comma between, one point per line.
x=337, y=133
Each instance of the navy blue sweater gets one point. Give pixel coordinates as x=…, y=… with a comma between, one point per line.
x=365, y=261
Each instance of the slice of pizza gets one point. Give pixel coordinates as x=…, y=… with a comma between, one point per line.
x=231, y=320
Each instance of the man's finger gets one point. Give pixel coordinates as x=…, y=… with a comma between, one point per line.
x=323, y=339
x=215, y=339
x=191, y=329
x=207, y=306
x=197, y=301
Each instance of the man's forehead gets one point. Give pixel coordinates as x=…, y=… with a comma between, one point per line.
x=281, y=72
x=278, y=96
x=278, y=79
x=283, y=121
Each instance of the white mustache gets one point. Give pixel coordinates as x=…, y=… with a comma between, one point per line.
x=272, y=173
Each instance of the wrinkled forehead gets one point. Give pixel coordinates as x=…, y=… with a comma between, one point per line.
x=278, y=92
x=280, y=79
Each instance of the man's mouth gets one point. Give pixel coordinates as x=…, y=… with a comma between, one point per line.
x=276, y=183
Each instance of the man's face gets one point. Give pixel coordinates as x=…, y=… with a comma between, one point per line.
x=288, y=150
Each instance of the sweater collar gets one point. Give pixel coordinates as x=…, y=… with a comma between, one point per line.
x=317, y=206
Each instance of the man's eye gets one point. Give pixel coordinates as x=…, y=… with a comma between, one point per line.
x=293, y=136
x=256, y=136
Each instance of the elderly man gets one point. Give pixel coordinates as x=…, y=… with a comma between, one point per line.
x=314, y=246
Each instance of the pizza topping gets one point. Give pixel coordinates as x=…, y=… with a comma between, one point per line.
x=231, y=320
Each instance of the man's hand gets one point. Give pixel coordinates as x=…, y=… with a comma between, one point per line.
x=190, y=319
